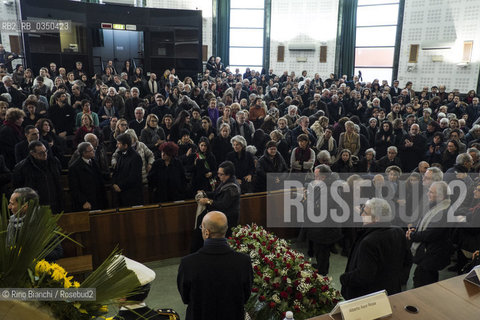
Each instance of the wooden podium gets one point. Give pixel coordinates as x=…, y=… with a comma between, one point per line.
x=445, y=300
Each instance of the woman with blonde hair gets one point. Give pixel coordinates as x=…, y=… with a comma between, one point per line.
x=349, y=139
x=152, y=135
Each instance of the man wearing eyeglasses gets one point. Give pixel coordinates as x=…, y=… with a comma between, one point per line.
x=41, y=173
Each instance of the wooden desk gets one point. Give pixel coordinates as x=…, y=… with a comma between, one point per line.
x=446, y=300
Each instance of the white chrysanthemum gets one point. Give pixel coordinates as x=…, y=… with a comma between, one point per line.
x=289, y=280
x=276, y=298
x=305, y=274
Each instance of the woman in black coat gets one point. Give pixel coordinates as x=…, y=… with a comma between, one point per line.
x=435, y=149
x=204, y=168
x=344, y=163
x=384, y=139
x=243, y=162
x=379, y=256
x=271, y=162
x=10, y=134
x=368, y=163
x=450, y=154
x=166, y=179
x=221, y=145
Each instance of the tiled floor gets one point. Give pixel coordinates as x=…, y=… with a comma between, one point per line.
x=164, y=292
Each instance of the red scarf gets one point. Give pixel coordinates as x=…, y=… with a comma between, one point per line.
x=15, y=128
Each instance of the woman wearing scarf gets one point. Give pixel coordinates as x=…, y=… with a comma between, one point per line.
x=10, y=134
x=349, y=139
x=303, y=157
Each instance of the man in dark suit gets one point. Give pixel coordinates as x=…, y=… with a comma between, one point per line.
x=239, y=93
x=41, y=173
x=21, y=148
x=431, y=243
x=127, y=175
x=17, y=95
x=390, y=159
x=380, y=255
x=85, y=180
x=215, y=281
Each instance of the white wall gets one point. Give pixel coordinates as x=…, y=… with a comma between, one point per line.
x=308, y=21
x=204, y=5
x=429, y=20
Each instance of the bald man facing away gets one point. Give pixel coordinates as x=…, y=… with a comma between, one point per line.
x=215, y=282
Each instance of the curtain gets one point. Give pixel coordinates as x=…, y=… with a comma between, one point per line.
x=346, y=34
x=223, y=31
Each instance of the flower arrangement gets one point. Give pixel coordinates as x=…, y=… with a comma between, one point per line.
x=283, y=279
x=23, y=249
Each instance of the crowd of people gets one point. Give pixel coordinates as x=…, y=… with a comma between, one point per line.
x=131, y=129
x=221, y=136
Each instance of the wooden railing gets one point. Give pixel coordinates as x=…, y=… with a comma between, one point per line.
x=159, y=231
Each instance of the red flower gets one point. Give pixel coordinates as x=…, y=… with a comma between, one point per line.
x=276, y=285
x=255, y=268
x=289, y=265
x=298, y=296
x=283, y=295
x=297, y=308
x=307, y=280
x=289, y=289
x=254, y=289
x=284, y=278
x=261, y=298
x=259, y=273
x=313, y=290
x=302, y=266
x=271, y=305
x=324, y=288
x=267, y=279
x=276, y=271
x=296, y=283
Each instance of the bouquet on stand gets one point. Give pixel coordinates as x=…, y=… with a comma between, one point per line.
x=283, y=279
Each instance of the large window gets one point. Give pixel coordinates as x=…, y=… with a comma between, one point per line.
x=375, y=41
x=246, y=34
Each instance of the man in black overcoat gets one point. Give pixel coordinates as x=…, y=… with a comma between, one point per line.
x=127, y=175
x=379, y=256
x=86, y=182
x=41, y=173
x=215, y=281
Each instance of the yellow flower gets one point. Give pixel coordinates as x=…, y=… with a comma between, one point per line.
x=76, y=284
x=55, y=266
x=83, y=311
x=66, y=283
x=103, y=309
x=42, y=267
x=57, y=275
